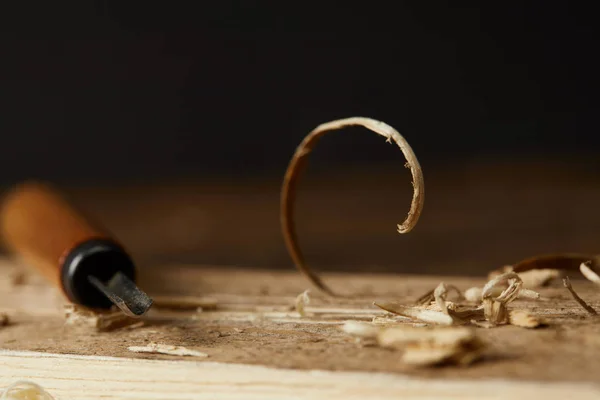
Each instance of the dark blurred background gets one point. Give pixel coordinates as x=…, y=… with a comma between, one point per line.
x=174, y=123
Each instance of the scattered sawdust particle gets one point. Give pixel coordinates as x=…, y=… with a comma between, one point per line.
x=524, y=319
x=157, y=348
x=589, y=273
x=582, y=303
x=299, y=161
x=185, y=302
x=429, y=347
x=80, y=317
x=4, y=319
x=25, y=390
x=302, y=300
x=424, y=315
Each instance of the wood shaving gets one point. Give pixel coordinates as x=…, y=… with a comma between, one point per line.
x=424, y=315
x=528, y=294
x=474, y=294
x=429, y=296
x=301, y=302
x=80, y=317
x=185, y=302
x=524, y=319
x=429, y=347
x=537, y=278
x=459, y=314
x=590, y=274
x=500, y=271
x=157, y=348
x=560, y=262
x=495, y=309
x=4, y=319
x=25, y=390
x=361, y=329
x=582, y=303
x=297, y=164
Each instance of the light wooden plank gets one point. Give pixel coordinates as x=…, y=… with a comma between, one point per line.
x=88, y=377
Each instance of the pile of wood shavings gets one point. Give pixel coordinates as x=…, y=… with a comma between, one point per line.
x=486, y=307
x=423, y=346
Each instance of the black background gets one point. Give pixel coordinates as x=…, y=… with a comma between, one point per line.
x=108, y=91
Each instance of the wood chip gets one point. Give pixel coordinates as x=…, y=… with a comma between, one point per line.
x=590, y=274
x=429, y=347
x=80, y=317
x=157, y=348
x=524, y=319
x=299, y=160
x=424, y=315
x=185, y=302
x=495, y=308
x=25, y=390
x=301, y=302
x=582, y=303
x=459, y=314
x=361, y=329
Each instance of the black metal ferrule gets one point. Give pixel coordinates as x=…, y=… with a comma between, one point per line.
x=101, y=258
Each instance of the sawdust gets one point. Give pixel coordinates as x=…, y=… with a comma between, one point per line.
x=158, y=348
x=77, y=317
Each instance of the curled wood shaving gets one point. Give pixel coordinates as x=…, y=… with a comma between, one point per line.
x=424, y=315
x=300, y=159
x=459, y=314
x=79, y=317
x=301, y=302
x=474, y=294
x=157, y=348
x=25, y=390
x=560, y=262
x=495, y=310
x=428, y=347
x=524, y=319
x=590, y=274
x=582, y=303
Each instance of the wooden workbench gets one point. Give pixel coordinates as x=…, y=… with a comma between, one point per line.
x=259, y=347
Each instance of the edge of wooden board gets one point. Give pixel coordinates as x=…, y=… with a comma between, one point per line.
x=92, y=377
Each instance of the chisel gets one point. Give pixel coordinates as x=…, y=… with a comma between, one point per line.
x=90, y=266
